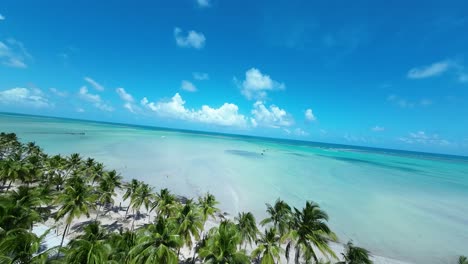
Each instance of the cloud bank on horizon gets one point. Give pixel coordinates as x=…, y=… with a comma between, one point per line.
x=197, y=66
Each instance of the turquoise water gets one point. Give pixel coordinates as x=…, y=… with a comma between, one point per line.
x=407, y=206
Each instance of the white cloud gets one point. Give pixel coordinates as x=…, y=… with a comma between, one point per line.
x=188, y=86
x=94, y=84
x=85, y=95
x=300, y=132
x=2, y=17
x=24, y=96
x=309, y=115
x=378, y=129
x=124, y=95
x=58, y=93
x=273, y=116
x=406, y=103
x=226, y=115
x=256, y=85
x=95, y=99
x=80, y=110
x=129, y=107
x=203, y=3
x=193, y=39
x=432, y=70
x=129, y=101
x=13, y=54
x=201, y=76
x=422, y=137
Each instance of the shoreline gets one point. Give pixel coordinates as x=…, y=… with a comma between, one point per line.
x=114, y=219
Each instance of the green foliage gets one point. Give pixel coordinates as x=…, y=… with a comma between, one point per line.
x=222, y=244
x=309, y=232
x=247, y=227
x=355, y=255
x=269, y=247
x=90, y=247
x=190, y=223
x=22, y=246
x=165, y=203
x=157, y=243
x=462, y=260
x=280, y=216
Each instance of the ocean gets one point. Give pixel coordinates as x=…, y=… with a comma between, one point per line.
x=403, y=205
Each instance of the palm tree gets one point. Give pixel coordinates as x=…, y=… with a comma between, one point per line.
x=96, y=173
x=73, y=163
x=269, y=247
x=76, y=200
x=280, y=216
x=142, y=196
x=90, y=247
x=14, y=215
x=207, y=205
x=247, y=227
x=355, y=255
x=107, y=186
x=130, y=192
x=165, y=203
x=121, y=243
x=31, y=148
x=32, y=199
x=114, y=179
x=157, y=243
x=462, y=260
x=309, y=231
x=221, y=246
x=190, y=223
x=22, y=246
x=9, y=171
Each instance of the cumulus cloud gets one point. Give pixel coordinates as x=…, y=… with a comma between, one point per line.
x=13, y=54
x=80, y=110
x=256, y=84
x=378, y=129
x=272, y=116
x=124, y=95
x=188, y=86
x=2, y=17
x=192, y=39
x=427, y=71
x=24, y=96
x=422, y=137
x=309, y=115
x=201, y=76
x=203, y=3
x=94, y=84
x=225, y=115
x=95, y=99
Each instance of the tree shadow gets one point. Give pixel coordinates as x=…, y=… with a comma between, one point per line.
x=114, y=226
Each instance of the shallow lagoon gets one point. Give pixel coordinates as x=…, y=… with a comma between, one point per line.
x=406, y=206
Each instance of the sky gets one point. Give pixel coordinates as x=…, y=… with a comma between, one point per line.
x=391, y=74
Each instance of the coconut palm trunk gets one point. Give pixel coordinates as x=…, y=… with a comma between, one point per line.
x=63, y=238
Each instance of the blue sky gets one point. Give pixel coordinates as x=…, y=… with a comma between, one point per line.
x=373, y=73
